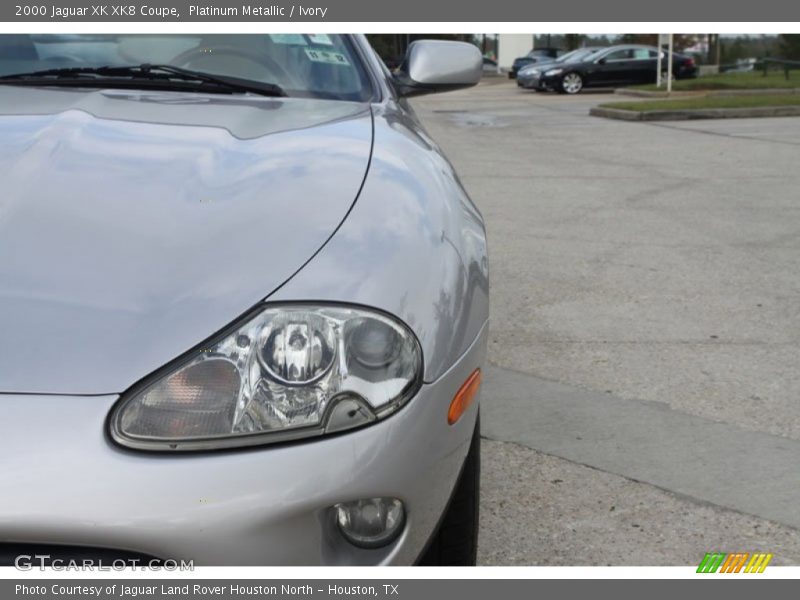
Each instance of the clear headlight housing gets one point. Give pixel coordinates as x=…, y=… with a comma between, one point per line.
x=289, y=372
x=554, y=72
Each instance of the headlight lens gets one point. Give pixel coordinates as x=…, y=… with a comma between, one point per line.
x=288, y=372
x=554, y=72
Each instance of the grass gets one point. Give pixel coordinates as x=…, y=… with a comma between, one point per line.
x=732, y=81
x=706, y=102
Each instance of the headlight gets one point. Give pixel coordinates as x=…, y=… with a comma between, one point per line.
x=554, y=72
x=289, y=372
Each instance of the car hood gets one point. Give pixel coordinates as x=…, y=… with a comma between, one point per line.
x=133, y=225
x=528, y=71
x=540, y=65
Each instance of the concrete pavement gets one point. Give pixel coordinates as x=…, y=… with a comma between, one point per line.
x=645, y=294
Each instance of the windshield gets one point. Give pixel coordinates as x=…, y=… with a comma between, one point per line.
x=578, y=55
x=306, y=65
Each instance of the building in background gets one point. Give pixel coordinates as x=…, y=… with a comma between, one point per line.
x=511, y=45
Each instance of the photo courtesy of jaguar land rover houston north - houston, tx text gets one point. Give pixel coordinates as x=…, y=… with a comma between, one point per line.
x=247, y=302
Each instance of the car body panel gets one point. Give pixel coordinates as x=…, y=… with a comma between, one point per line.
x=137, y=223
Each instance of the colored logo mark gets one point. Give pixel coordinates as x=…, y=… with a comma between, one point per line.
x=737, y=562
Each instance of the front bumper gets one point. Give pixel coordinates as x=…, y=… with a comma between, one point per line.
x=549, y=82
x=64, y=482
x=529, y=82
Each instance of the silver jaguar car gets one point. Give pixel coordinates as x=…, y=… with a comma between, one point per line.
x=243, y=303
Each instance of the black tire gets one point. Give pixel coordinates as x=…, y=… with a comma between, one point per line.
x=455, y=543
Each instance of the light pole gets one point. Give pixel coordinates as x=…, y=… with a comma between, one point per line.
x=659, y=67
x=669, y=66
x=658, y=62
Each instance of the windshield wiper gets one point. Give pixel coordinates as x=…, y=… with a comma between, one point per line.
x=162, y=75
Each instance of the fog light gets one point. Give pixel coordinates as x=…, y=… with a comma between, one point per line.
x=370, y=523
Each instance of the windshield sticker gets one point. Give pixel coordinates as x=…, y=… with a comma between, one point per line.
x=320, y=38
x=326, y=56
x=292, y=39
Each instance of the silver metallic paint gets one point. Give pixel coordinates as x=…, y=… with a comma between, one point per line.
x=127, y=242
x=414, y=246
x=443, y=63
x=115, y=264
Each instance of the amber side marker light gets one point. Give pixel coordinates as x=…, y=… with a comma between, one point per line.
x=464, y=397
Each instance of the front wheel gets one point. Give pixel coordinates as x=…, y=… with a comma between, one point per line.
x=571, y=83
x=456, y=541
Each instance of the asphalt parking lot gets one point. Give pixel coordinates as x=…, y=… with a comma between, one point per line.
x=641, y=404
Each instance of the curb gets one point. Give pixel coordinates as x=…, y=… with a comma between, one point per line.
x=616, y=113
x=649, y=94
x=706, y=93
x=696, y=113
x=759, y=92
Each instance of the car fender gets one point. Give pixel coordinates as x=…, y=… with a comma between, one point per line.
x=413, y=245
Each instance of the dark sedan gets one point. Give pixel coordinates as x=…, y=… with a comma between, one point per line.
x=534, y=56
x=615, y=66
x=529, y=77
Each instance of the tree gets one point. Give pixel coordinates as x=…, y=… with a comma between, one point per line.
x=749, y=46
x=790, y=46
x=679, y=40
x=573, y=40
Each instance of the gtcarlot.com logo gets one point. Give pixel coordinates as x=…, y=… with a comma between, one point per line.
x=28, y=562
x=736, y=562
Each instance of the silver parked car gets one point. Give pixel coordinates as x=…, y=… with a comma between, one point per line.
x=243, y=303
